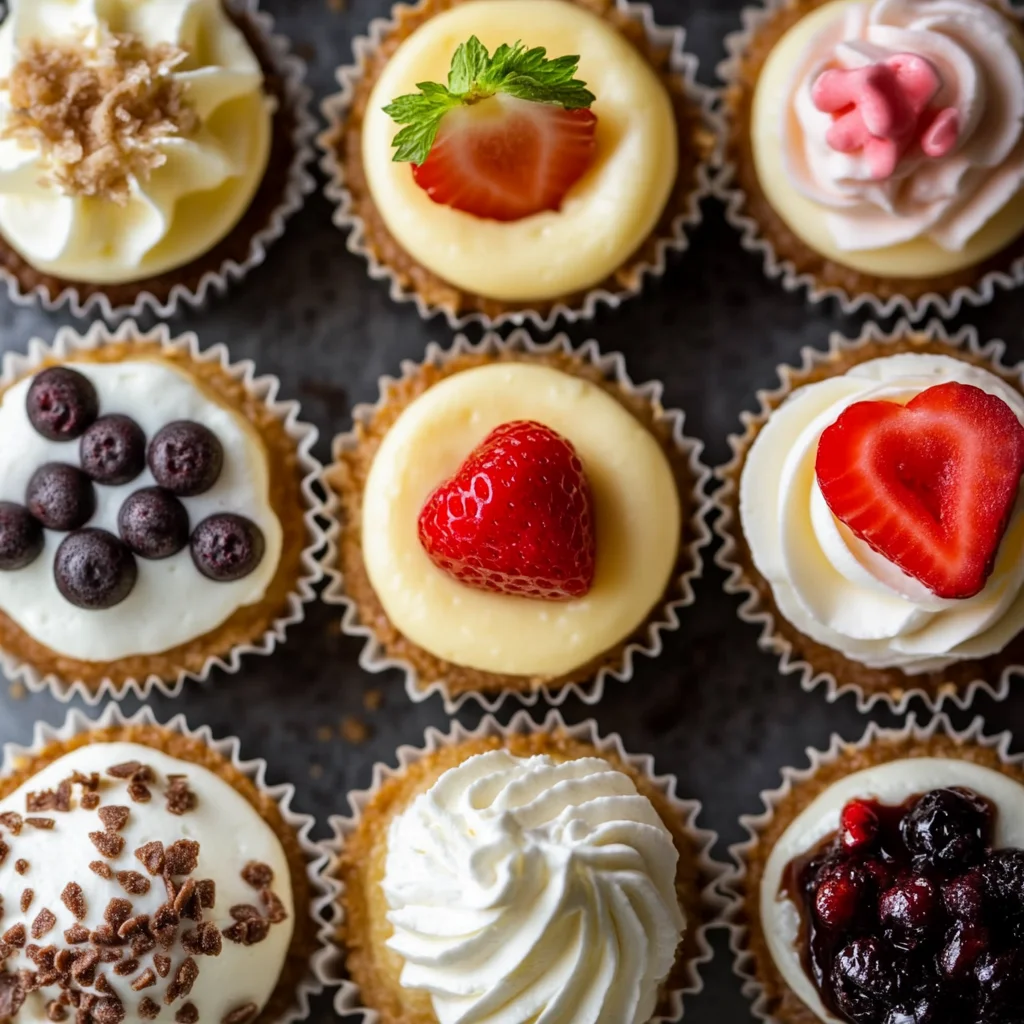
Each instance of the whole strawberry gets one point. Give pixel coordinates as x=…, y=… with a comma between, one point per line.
x=517, y=518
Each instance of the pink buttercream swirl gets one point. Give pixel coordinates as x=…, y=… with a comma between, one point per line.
x=882, y=110
x=905, y=120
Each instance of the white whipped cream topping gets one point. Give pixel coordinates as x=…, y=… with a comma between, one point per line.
x=831, y=585
x=230, y=834
x=977, y=53
x=893, y=784
x=187, y=205
x=525, y=890
x=172, y=602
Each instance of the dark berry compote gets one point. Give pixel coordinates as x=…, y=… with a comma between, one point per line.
x=910, y=917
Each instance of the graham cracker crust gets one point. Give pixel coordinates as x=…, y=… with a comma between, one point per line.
x=696, y=144
x=347, y=477
x=365, y=931
x=781, y=1002
x=788, y=246
x=304, y=939
x=891, y=682
x=235, y=246
x=247, y=624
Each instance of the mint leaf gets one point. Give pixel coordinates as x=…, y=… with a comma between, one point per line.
x=476, y=75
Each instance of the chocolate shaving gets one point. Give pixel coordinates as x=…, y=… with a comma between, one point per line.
x=12, y=822
x=206, y=890
x=21, y=866
x=133, y=883
x=162, y=965
x=104, y=935
x=248, y=932
x=109, y=954
x=44, y=922
x=99, y=867
x=139, y=793
x=134, y=770
x=27, y=896
x=76, y=935
x=182, y=982
x=182, y=857
x=186, y=903
x=244, y=912
x=241, y=1014
x=110, y=844
x=126, y=968
x=164, y=925
x=114, y=818
x=103, y=986
x=49, y=800
x=147, y=979
x=188, y=1014
x=84, y=968
x=45, y=824
x=204, y=940
x=148, y=1010
x=133, y=926
x=180, y=799
x=90, y=801
x=142, y=943
x=118, y=911
x=152, y=857
x=108, y=1011
x=74, y=899
x=257, y=874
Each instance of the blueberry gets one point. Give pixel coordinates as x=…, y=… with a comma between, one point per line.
x=910, y=912
x=94, y=570
x=226, y=547
x=113, y=450
x=60, y=496
x=153, y=523
x=863, y=979
x=21, y=536
x=948, y=829
x=186, y=458
x=61, y=403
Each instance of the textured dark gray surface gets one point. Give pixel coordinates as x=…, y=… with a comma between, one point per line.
x=713, y=710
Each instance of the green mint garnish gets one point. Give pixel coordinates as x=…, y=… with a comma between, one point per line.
x=475, y=75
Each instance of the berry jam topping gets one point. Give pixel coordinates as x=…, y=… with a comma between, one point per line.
x=94, y=569
x=113, y=450
x=61, y=403
x=153, y=523
x=910, y=917
x=21, y=536
x=186, y=458
x=226, y=547
x=60, y=496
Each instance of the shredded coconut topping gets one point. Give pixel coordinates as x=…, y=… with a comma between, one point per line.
x=99, y=110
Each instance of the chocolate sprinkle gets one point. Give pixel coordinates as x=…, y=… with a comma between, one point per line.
x=148, y=1010
x=133, y=883
x=180, y=799
x=73, y=898
x=15, y=936
x=206, y=890
x=248, y=932
x=152, y=857
x=44, y=922
x=182, y=982
x=134, y=770
x=182, y=857
x=110, y=844
x=118, y=911
x=76, y=935
x=162, y=965
x=126, y=968
x=98, y=867
x=90, y=801
x=205, y=940
x=26, y=899
x=114, y=818
x=258, y=875
x=41, y=823
x=147, y=979
x=139, y=792
x=188, y=1014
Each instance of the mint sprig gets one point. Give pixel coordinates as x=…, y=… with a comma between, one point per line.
x=475, y=75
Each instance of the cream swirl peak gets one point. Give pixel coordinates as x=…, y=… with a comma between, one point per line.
x=133, y=134
x=906, y=121
x=524, y=889
x=832, y=585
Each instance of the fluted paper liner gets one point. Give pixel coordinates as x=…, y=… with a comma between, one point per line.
x=772, y=1000
x=681, y=65
x=348, y=998
x=299, y=183
x=813, y=663
x=972, y=286
x=265, y=389
x=664, y=617
x=323, y=889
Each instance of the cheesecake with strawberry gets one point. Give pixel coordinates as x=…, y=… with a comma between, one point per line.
x=882, y=516
x=512, y=522
x=510, y=155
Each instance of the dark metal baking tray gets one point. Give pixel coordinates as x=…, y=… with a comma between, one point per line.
x=713, y=709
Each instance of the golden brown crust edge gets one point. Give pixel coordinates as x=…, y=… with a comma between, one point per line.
x=305, y=941
x=788, y=246
x=247, y=624
x=890, y=683
x=375, y=969
x=347, y=478
x=696, y=144
x=781, y=1003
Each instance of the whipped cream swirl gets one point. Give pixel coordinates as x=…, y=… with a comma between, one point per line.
x=206, y=179
x=976, y=54
x=523, y=890
x=830, y=584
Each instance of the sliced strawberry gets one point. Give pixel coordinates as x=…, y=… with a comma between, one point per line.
x=505, y=158
x=929, y=485
x=517, y=518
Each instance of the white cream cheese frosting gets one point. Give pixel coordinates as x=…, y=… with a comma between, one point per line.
x=892, y=784
x=831, y=585
x=521, y=889
x=185, y=206
x=172, y=602
x=636, y=508
x=606, y=215
x=230, y=835
x=933, y=215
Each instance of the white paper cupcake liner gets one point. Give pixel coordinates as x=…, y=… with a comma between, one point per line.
x=335, y=111
x=726, y=525
x=374, y=657
x=734, y=885
x=300, y=183
x=323, y=888
x=66, y=343
x=753, y=240
x=348, y=998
